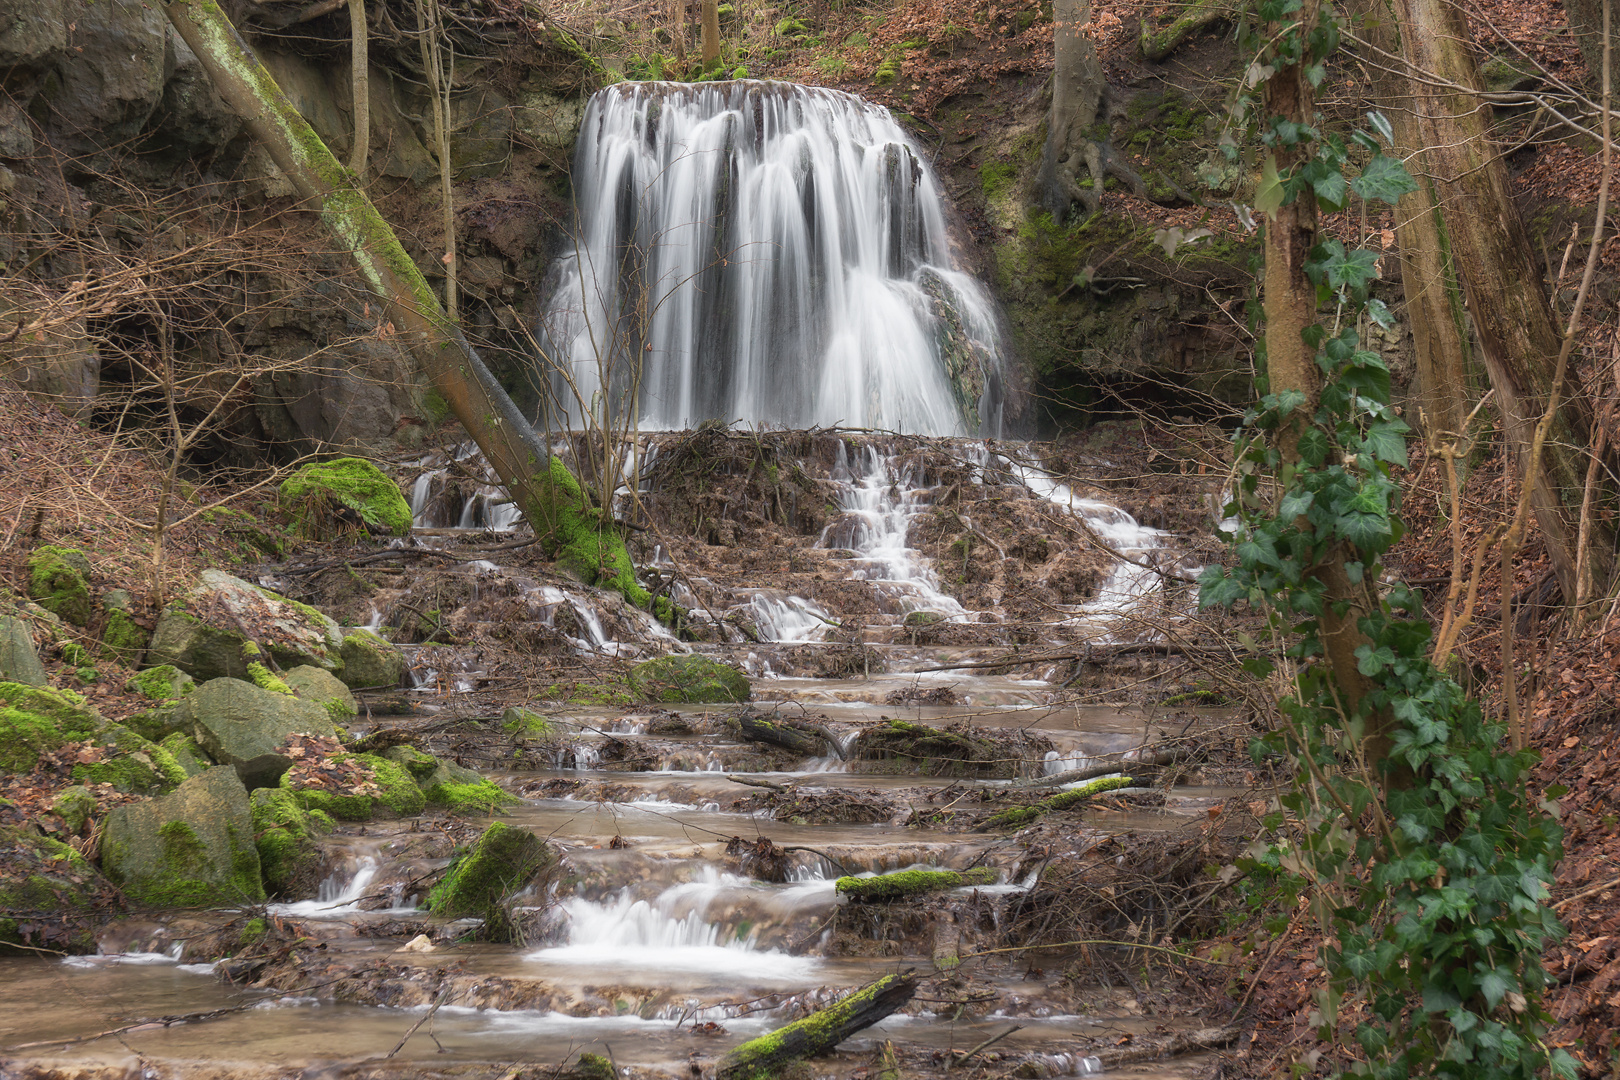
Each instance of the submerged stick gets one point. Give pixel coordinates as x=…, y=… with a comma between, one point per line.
x=763, y=1058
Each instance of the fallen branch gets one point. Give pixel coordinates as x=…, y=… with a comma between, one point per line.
x=1019, y=816
x=1103, y=768
x=764, y=1058
x=906, y=883
x=1185, y=1042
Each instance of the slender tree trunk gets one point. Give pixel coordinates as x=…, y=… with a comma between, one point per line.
x=677, y=30
x=1077, y=87
x=1518, y=338
x=711, y=33
x=1446, y=375
x=360, y=61
x=581, y=536
x=432, y=31
x=1290, y=309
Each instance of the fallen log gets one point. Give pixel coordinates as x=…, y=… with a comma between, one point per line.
x=910, y=883
x=765, y=1058
x=1118, y=764
x=756, y=727
x=1019, y=816
x=1183, y=1042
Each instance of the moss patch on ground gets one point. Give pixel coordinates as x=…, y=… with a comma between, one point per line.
x=689, y=679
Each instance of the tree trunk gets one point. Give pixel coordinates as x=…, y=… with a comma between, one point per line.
x=581, y=536
x=711, y=33
x=360, y=79
x=1518, y=338
x=756, y=728
x=764, y=1058
x=1077, y=87
x=1586, y=24
x=1448, y=382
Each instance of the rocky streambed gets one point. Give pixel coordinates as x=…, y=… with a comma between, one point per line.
x=425, y=806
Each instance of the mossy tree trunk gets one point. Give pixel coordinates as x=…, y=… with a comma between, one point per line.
x=579, y=534
x=711, y=33
x=766, y=1057
x=1519, y=340
x=1077, y=89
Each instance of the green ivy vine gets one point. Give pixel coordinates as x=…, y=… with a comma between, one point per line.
x=1425, y=860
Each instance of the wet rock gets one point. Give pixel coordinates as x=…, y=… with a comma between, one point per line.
x=58, y=578
x=19, y=656
x=284, y=834
x=193, y=848
x=48, y=892
x=204, y=633
x=689, y=679
x=243, y=726
x=419, y=765
x=319, y=492
x=35, y=719
x=322, y=688
x=369, y=662
x=479, y=883
x=384, y=788
x=462, y=791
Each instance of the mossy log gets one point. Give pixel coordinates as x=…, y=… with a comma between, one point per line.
x=766, y=1057
x=934, y=751
x=756, y=727
x=1159, y=42
x=1019, y=816
x=910, y=883
x=579, y=535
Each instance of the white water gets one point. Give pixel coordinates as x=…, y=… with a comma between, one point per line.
x=339, y=894
x=764, y=252
x=680, y=931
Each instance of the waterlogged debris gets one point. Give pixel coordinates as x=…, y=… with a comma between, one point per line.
x=1019, y=816
x=870, y=890
x=766, y=1057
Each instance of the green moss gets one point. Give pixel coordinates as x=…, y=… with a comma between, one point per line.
x=689, y=678
x=791, y=28
x=187, y=754
x=906, y=883
x=592, y=1067
x=283, y=833
x=762, y=1058
x=580, y=537
x=481, y=879
x=47, y=880
x=397, y=792
x=75, y=806
x=162, y=683
x=887, y=71
x=470, y=799
x=133, y=763
x=35, y=719
x=58, y=579
x=86, y=675
x=517, y=721
x=996, y=177
x=74, y=654
x=1019, y=816
x=265, y=679
x=419, y=765
x=252, y=931
x=355, y=483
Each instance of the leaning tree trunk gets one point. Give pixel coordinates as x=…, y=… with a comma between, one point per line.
x=1077, y=86
x=1447, y=381
x=1518, y=338
x=771, y=1056
x=580, y=536
x=711, y=33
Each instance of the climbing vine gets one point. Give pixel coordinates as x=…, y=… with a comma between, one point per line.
x=1413, y=839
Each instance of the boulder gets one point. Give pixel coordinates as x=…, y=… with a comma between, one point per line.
x=75, y=805
x=323, y=689
x=32, y=32
x=34, y=719
x=462, y=791
x=193, y=848
x=122, y=638
x=419, y=765
x=19, y=655
x=390, y=792
x=130, y=762
x=203, y=634
x=482, y=879
x=370, y=662
x=110, y=78
x=317, y=491
x=284, y=833
x=58, y=578
x=240, y=725
x=689, y=679
x=162, y=683
x=48, y=894
x=187, y=753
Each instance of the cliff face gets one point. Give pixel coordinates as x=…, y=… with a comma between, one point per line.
x=142, y=233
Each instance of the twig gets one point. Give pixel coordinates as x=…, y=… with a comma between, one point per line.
x=444, y=992
x=991, y=1041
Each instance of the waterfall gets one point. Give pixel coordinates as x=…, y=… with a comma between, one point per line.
x=763, y=252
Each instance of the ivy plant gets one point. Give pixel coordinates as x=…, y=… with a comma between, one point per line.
x=1410, y=830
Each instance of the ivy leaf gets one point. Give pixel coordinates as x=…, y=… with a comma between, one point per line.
x=1270, y=195
x=1379, y=313
x=1313, y=447
x=1495, y=985
x=1384, y=179
x=1386, y=441
x=1328, y=183
x=1371, y=532
x=1380, y=123
x=1343, y=269
x=1216, y=588
x=1294, y=504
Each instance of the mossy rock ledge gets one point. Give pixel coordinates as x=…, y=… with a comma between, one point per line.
x=203, y=633
x=397, y=794
x=370, y=662
x=243, y=726
x=284, y=834
x=907, y=883
x=193, y=848
x=689, y=679
x=314, y=493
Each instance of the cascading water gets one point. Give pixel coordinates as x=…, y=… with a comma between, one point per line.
x=765, y=252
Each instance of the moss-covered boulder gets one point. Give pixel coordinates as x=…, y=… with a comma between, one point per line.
x=385, y=789
x=370, y=663
x=284, y=833
x=315, y=493
x=35, y=719
x=122, y=637
x=75, y=805
x=162, y=683
x=323, y=689
x=243, y=726
x=129, y=762
x=522, y=722
x=203, y=633
x=59, y=580
x=503, y=861
x=462, y=791
x=48, y=894
x=193, y=848
x=419, y=765
x=187, y=753
x=689, y=679
x=19, y=654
